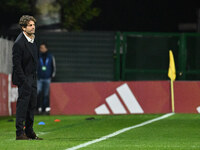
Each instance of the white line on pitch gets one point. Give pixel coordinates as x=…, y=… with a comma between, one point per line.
x=119, y=132
x=42, y=133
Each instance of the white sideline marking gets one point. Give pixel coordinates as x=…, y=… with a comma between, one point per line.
x=42, y=133
x=119, y=132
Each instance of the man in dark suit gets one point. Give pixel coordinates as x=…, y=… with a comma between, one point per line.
x=25, y=59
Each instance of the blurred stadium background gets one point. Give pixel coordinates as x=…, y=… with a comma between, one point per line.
x=104, y=51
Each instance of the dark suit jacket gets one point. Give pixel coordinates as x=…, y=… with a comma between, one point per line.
x=24, y=60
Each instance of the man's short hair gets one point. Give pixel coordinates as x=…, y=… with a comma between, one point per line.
x=24, y=20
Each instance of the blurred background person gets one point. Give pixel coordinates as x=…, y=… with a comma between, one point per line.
x=46, y=71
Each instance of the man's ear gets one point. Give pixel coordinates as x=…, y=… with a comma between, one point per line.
x=23, y=28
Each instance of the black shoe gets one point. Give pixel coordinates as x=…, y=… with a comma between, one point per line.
x=22, y=137
x=33, y=136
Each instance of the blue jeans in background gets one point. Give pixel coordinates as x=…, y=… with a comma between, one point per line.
x=43, y=92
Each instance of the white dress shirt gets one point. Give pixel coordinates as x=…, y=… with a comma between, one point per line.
x=29, y=39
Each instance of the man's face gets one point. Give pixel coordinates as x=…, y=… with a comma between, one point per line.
x=43, y=48
x=30, y=28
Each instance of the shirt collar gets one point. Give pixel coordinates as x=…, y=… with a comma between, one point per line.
x=28, y=38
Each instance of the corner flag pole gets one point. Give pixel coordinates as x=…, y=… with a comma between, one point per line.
x=172, y=95
x=172, y=76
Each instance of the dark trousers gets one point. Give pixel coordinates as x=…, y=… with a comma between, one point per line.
x=26, y=104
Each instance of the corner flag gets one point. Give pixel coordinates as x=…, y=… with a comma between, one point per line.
x=172, y=69
x=172, y=76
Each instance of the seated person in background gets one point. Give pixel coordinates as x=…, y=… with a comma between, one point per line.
x=46, y=71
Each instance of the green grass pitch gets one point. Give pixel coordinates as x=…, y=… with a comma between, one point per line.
x=177, y=132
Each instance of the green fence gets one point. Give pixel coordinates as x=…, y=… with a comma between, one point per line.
x=145, y=56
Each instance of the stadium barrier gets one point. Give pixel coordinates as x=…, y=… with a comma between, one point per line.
x=96, y=98
x=8, y=96
x=187, y=96
x=123, y=97
x=4, y=111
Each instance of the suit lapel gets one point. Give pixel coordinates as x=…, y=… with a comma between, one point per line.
x=28, y=47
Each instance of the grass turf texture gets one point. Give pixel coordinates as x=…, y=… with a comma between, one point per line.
x=178, y=132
